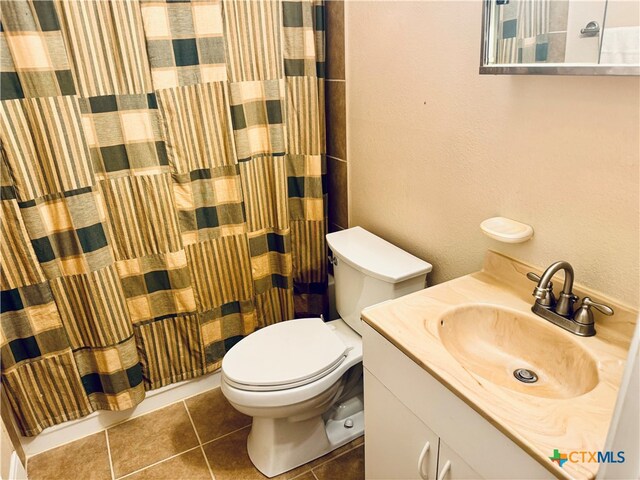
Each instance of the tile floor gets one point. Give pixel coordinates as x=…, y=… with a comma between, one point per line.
x=202, y=437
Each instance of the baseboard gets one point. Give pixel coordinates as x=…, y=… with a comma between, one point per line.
x=67, y=432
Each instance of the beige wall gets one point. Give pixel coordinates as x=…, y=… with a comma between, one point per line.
x=435, y=148
x=623, y=13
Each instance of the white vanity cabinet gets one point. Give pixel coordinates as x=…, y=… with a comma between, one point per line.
x=452, y=466
x=400, y=446
x=406, y=408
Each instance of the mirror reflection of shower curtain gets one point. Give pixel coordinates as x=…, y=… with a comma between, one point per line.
x=523, y=27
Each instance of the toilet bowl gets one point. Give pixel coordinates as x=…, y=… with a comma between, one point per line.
x=301, y=380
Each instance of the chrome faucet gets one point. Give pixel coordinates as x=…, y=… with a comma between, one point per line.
x=560, y=312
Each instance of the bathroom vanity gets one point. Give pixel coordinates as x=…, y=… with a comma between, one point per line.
x=442, y=401
x=406, y=406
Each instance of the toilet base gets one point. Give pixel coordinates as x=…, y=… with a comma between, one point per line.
x=277, y=445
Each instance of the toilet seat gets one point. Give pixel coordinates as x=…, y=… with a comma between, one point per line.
x=284, y=355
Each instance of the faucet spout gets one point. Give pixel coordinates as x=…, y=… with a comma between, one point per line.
x=552, y=270
x=567, y=298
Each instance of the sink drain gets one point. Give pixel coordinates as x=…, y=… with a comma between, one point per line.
x=525, y=376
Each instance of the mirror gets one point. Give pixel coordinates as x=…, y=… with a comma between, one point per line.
x=564, y=37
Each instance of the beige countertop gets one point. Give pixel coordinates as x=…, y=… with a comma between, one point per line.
x=536, y=423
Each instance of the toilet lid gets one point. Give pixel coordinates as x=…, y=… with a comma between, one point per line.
x=284, y=355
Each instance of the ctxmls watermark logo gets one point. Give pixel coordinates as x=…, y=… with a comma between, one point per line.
x=587, y=457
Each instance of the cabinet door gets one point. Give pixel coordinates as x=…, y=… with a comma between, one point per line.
x=451, y=466
x=398, y=446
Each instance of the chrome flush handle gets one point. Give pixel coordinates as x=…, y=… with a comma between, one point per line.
x=591, y=29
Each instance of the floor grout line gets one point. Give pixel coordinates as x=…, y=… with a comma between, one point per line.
x=329, y=460
x=118, y=423
x=158, y=462
x=226, y=435
x=201, y=447
x=193, y=425
x=213, y=477
x=106, y=434
x=311, y=470
x=302, y=474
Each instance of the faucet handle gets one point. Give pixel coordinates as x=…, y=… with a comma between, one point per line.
x=536, y=278
x=533, y=277
x=584, y=315
x=601, y=307
x=544, y=296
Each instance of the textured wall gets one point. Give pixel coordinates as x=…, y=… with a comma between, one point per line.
x=434, y=149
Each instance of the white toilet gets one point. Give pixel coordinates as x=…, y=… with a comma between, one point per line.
x=301, y=380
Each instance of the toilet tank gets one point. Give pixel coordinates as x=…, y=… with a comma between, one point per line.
x=370, y=270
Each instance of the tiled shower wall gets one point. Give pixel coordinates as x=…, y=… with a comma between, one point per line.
x=336, y=117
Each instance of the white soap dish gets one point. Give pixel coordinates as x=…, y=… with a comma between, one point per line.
x=506, y=230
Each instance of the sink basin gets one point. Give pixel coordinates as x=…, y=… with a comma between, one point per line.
x=493, y=342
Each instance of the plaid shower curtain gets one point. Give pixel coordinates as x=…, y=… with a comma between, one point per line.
x=522, y=31
x=162, y=194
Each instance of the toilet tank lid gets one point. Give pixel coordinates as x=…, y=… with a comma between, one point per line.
x=374, y=256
